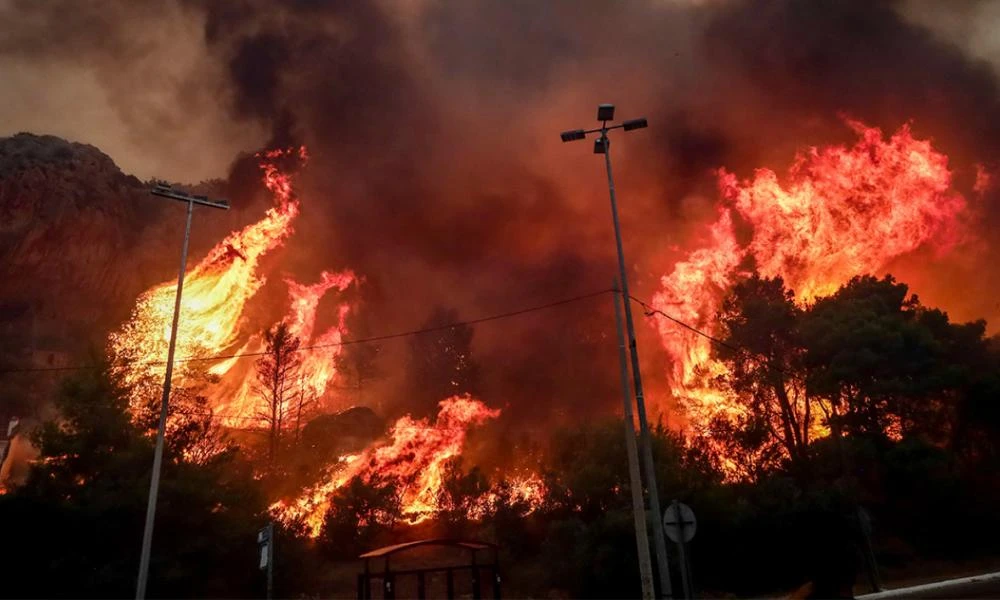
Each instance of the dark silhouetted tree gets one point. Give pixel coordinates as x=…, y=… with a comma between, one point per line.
x=81, y=508
x=360, y=512
x=766, y=374
x=461, y=495
x=277, y=382
x=357, y=364
x=440, y=364
x=886, y=363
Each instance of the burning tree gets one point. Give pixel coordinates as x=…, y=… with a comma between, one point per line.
x=840, y=211
x=766, y=375
x=277, y=380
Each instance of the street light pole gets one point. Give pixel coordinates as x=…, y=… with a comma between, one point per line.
x=635, y=481
x=154, y=483
x=605, y=113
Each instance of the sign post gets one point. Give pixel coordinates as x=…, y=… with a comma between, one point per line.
x=864, y=521
x=680, y=525
x=265, y=541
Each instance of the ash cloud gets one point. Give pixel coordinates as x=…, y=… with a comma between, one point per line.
x=436, y=171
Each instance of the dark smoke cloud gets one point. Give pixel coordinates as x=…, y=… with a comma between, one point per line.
x=436, y=171
x=337, y=68
x=131, y=77
x=816, y=61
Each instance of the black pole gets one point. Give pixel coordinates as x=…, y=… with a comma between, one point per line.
x=680, y=545
x=496, y=574
x=477, y=591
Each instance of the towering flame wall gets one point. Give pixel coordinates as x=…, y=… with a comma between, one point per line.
x=213, y=311
x=840, y=212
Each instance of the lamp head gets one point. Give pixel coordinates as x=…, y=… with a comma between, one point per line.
x=634, y=124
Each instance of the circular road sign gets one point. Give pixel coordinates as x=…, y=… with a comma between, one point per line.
x=679, y=523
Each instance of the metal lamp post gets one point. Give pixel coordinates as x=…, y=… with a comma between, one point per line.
x=602, y=145
x=166, y=191
x=635, y=480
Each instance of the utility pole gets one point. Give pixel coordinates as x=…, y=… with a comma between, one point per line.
x=602, y=145
x=154, y=484
x=635, y=482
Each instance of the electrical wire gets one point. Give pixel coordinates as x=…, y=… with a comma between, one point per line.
x=378, y=338
x=652, y=311
x=257, y=420
x=648, y=309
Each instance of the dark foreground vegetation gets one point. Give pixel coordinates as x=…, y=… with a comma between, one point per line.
x=908, y=415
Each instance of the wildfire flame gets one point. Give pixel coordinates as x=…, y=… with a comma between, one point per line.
x=216, y=293
x=234, y=397
x=414, y=459
x=840, y=212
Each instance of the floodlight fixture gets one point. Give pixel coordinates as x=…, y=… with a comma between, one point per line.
x=634, y=124
x=573, y=135
x=601, y=145
x=605, y=112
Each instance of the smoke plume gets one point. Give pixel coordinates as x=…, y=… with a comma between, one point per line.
x=436, y=171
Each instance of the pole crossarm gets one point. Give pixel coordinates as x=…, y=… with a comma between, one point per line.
x=165, y=191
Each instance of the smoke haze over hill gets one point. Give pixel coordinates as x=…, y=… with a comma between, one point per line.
x=436, y=172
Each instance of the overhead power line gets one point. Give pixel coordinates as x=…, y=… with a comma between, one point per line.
x=257, y=420
x=648, y=309
x=378, y=338
x=651, y=311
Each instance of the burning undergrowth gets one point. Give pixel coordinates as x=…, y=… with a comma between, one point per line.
x=414, y=461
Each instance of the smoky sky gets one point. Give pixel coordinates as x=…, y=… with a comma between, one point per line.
x=436, y=171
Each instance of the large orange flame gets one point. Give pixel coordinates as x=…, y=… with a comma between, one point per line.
x=318, y=361
x=235, y=398
x=840, y=212
x=216, y=293
x=414, y=459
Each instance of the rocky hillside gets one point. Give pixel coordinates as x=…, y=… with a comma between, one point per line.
x=79, y=240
